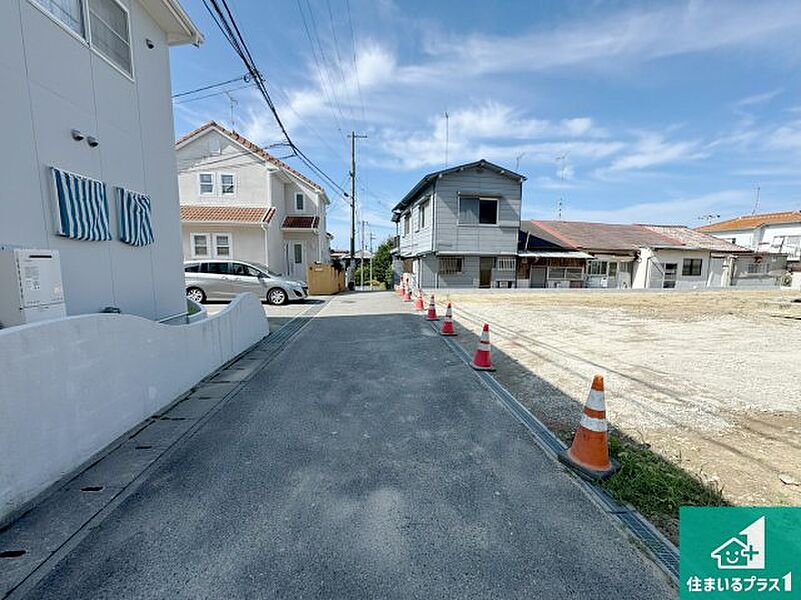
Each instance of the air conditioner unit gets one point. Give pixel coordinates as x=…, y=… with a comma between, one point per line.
x=30, y=286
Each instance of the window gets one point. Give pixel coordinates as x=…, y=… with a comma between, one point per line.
x=421, y=215
x=450, y=265
x=478, y=211
x=300, y=201
x=206, y=183
x=227, y=184
x=755, y=268
x=612, y=269
x=297, y=250
x=505, y=263
x=222, y=244
x=192, y=268
x=217, y=268
x=108, y=23
x=200, y=244
x=68, y=12
x=596, y=267
x=669, y=279
x=241, y=270
x=406, y=222
x=691, y=267
x=573, y=273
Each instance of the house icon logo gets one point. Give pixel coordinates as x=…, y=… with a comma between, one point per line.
x=746, y=550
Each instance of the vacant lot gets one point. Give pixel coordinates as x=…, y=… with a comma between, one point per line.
x=710, y=380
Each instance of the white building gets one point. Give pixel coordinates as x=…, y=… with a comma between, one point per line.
x=773, y=233
x=85, y=95
x=240, y=202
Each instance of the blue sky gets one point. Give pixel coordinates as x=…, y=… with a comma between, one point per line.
x=665, y=111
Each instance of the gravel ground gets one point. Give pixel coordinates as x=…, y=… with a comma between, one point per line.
x=710, y=380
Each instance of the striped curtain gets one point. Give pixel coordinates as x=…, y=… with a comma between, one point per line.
x=81, y=207
x=136, y=228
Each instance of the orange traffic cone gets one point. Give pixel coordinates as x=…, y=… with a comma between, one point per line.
x=447, y=324
x=589, y=454
x=431, y=315
x=482, y=359
x=407, y=297
x=418, y=301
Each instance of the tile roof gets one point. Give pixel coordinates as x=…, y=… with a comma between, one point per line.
x=257, y=150
x=753, y=221
x=226, y=214
x=580, y=235
x=696, y=239
x=300, y=222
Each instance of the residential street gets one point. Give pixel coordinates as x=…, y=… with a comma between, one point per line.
x=365, y=461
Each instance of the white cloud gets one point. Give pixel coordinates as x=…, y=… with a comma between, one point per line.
x=651, y=149
x=679, y=211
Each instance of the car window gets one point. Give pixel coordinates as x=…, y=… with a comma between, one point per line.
x=218, y=268
x=191, y=268
x=242, y=270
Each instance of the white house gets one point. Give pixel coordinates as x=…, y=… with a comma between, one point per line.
x=773, y=233
x=240, y=202
x=85, y=107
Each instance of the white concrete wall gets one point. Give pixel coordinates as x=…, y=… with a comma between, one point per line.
x=70, y=387
x=52, y=82
x=247, y=241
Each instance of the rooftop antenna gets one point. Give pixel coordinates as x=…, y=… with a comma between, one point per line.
x=517, y=160
x=708, y=218
x=232, y=103
x=756, y=201
x=561, y=160
x=447, y=135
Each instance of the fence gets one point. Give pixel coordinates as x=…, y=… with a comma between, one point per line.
x=325, y=279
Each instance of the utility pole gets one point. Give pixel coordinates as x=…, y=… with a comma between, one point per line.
x=353, y=137
x=362, y=278
x=372, y=237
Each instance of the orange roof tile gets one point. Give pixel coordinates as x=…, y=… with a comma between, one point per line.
x=753, y=221
x=256, y=149
x=226, y=214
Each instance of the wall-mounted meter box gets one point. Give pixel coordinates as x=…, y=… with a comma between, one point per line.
x=30, y=286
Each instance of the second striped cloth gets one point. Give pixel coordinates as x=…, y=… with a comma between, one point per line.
x=135, y=223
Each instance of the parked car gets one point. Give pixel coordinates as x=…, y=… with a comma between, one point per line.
x=224, y=279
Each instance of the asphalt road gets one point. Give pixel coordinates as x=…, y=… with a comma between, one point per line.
x=366, y=461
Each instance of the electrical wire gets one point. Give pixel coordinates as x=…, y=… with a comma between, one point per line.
x=212, y=94
x=244, y=78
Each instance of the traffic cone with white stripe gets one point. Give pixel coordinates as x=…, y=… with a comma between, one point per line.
x=407, y=296
x=482, y=359
x=447, y=324
x=589, y=454
x=431, y=315
x=418, y=301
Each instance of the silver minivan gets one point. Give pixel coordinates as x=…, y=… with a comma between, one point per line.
x=224, y=279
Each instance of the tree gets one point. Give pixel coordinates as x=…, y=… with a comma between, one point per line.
x=382, y=263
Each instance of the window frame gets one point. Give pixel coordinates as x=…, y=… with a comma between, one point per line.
x=302, y=197
x=603, y=272
x=441, y=270
x=194, y=247
x=479, y=198
x=421, y=215
x=506, y=258
x=83, y=38
x=233, y=184
x=295, y=246
x=230, y=255
x=131, y=75
x=200, y=191
x=407, y=223
x=687, y=267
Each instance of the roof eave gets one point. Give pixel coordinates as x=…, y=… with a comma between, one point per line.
x=174, y=21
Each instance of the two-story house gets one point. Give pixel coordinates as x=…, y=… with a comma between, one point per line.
x=458, y=227
x=85, y=95
x=770, y=233
x=240, y=202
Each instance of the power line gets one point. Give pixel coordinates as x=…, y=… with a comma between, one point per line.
x=244, y=78
x=212, y=94
x=355, y=61
x=226, y=22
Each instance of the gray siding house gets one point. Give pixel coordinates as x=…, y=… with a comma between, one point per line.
x=458, y=227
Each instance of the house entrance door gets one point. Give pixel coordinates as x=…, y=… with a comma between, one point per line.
x=716, y=266
x=485, y=266
x=538, y=277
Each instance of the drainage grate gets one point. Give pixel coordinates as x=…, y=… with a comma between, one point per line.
x=92, y=488
x=12, y=553
x=143, y=447
x=663, y=551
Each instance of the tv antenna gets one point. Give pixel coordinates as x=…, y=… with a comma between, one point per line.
x=517, y=160
x=447, y=135
x=708, y=218
x=561, y=161
x=232, y=104
x=756, y=201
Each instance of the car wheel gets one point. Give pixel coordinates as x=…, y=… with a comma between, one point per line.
x=277, y=296
x=195, y=294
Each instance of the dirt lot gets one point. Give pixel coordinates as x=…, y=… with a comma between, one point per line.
x=710, y=380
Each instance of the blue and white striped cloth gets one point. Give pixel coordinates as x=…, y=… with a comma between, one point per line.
x=133, y=209
x=81, y=207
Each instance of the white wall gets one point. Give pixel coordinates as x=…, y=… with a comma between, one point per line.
x=72, y=386
x=247, y=240
x=52, y=82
